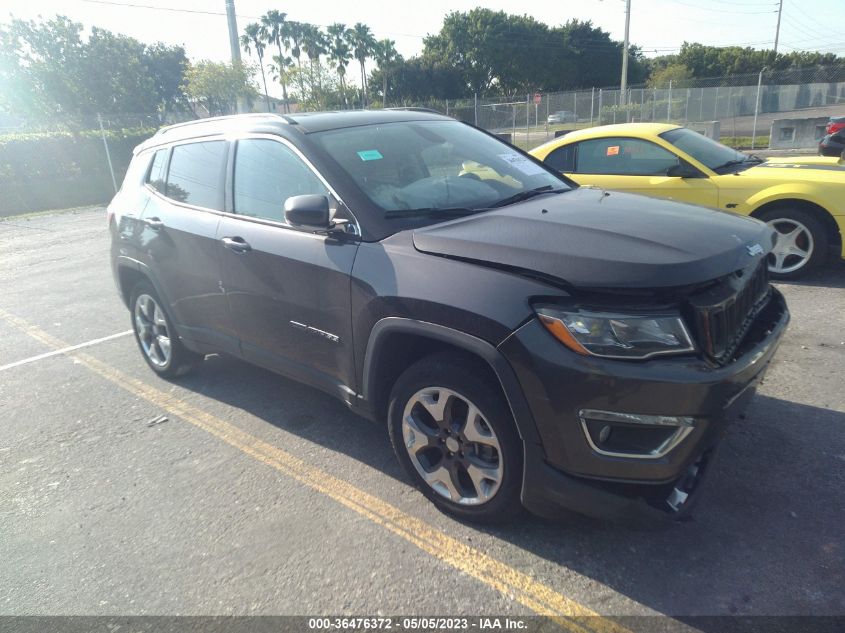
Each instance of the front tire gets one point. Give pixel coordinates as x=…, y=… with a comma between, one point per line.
x=157, y=339
x=453, y=433
x=802, y=243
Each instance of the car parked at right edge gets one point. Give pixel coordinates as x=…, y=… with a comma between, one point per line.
x=833, y=143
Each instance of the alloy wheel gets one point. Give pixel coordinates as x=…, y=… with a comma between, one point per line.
x=452, y=446
x=793, y=248
x=151, y=328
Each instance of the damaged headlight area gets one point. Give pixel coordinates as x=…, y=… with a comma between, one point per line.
x=611, y=335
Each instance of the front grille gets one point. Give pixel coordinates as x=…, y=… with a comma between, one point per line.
x=723, y=314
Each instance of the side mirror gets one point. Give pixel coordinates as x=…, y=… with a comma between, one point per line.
x=311, y=210
x=682, y=170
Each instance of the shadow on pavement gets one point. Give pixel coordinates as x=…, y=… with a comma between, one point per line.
x=830, y=276
x=766, y=538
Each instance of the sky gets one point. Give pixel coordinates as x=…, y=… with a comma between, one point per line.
x=657, y=26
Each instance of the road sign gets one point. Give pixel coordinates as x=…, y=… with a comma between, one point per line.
x=537, y=98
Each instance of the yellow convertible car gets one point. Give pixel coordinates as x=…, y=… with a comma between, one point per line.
x=803, y=197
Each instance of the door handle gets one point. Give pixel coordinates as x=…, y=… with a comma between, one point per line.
x=154, y=223
x=236, y=244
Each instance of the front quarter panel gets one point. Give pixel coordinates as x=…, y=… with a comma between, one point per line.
x=745, y=194
x=392, y=279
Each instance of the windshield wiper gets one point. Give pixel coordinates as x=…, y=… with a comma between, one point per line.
x=431, y=212
x=740, y=161
x=526, y=195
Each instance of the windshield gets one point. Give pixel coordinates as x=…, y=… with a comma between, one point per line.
x=437, y=167
x=705, y=150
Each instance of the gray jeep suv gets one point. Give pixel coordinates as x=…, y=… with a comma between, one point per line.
x=528, y=343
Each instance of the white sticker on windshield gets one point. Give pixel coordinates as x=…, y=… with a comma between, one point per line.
x=522, y=164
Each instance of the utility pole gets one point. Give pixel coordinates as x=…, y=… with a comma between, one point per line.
x=234, y=44
x=624, y=84
x=757, y=107
x=233, y=32
x=777, y=30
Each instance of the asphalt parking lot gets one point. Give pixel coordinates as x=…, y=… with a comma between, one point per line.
x=235, y=491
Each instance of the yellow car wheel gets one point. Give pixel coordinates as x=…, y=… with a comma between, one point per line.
x=802, y=243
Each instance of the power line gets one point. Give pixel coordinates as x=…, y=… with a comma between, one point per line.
x=530, y=41
x=134, y=5
x=527, y=43
x=174, y=9
x=810, y=18
x=805, y=28
x=806, y=36
x=732, y=3
x=717, y=10
x=829, y=48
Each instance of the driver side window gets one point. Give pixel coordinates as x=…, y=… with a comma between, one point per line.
x=266, y=174
x=623, y=157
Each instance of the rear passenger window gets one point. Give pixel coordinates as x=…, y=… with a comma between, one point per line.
x=158, y=171
x=266, y=174
x=562, y=159
x=196, y=174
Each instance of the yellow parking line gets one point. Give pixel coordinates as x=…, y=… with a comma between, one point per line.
x=511, y=582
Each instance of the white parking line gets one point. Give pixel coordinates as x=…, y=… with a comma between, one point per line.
x=64, y=350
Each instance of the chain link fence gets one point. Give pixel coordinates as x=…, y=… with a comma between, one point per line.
x=744, y=106
x=53, y=162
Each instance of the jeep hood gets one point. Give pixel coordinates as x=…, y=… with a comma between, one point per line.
x=595, y=239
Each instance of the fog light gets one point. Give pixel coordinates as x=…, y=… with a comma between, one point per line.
x=633, y=435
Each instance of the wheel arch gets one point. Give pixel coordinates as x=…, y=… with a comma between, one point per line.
x=128, y=277
x=129, y=273
x=817, y=211
x=395, y=343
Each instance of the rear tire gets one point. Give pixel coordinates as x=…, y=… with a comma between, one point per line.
x=154, y=333
x=802, y=244
x=454, y=435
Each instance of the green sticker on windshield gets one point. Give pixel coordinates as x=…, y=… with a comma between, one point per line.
x=370, y=154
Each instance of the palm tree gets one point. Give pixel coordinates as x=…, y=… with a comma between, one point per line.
x=339, y=54
x=293, y=32
x=362, y=42
x=252, y=37
x=314, y=45
x=280, y=69
x=273, y=25
x=387, y=57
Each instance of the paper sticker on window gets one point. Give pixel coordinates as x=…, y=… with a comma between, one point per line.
x=613, y=150
x=370, y=154
x=523, y=164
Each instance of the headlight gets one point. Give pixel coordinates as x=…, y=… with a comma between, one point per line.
x=617, y=335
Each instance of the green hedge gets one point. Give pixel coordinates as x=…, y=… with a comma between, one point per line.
x=57, y=170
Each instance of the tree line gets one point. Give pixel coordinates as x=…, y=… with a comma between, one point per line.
x=697, y=64
x=48, y=69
